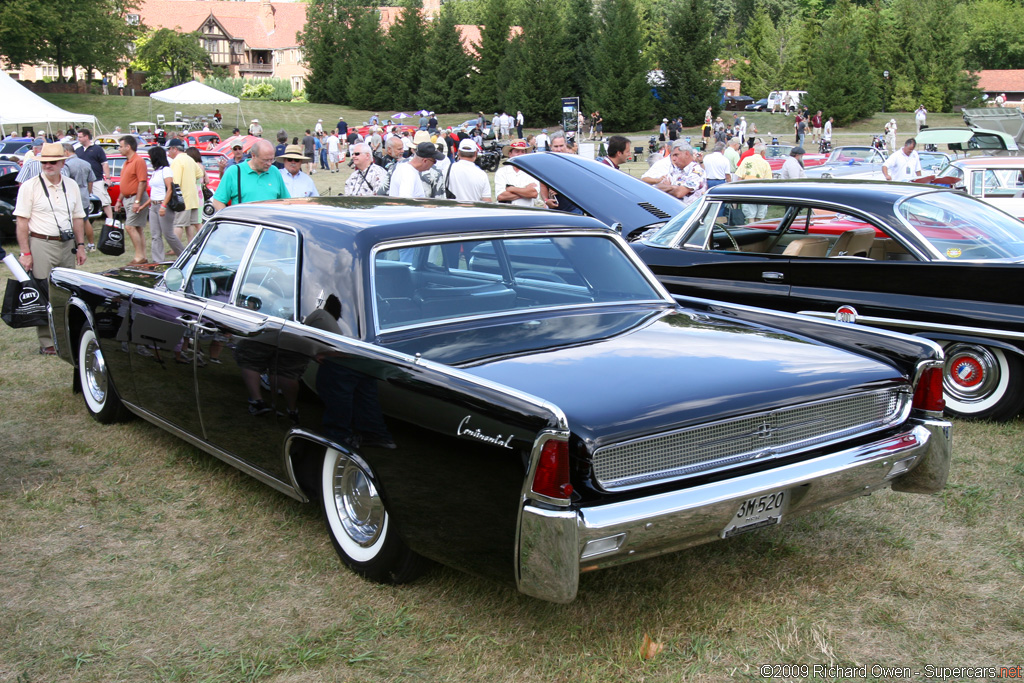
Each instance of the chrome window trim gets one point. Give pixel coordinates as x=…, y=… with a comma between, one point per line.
x=624, y=248
x=921, y=325
x=248, y=264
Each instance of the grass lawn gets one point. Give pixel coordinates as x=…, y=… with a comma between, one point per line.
x=128, y=555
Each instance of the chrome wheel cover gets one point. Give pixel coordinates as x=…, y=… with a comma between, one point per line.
x=359, y=507
x=971, y=373
x=94, y=372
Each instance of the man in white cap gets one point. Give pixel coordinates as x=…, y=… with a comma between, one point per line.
x=406, y=180
x=50, y=222
x=255, y=129
x=467, y=181
x=298, y=183
x=319, y=126
x=890, y=136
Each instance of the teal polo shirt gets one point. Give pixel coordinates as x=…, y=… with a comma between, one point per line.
x=255, y=186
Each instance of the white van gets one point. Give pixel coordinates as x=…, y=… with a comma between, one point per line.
x=784, y=100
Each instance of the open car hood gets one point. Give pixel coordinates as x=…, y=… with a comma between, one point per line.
x=606, y=194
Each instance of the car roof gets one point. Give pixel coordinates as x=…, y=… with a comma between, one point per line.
x=371, y=220
x=856, y=193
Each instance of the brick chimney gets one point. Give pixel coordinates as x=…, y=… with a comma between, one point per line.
x=266, y=14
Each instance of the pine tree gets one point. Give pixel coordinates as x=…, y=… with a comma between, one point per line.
x=759, y=68
x=367, y=70
x=621, y=92
x=446, y=77
x=579, y=36
x=542, y=52
x=687, y=61
x=932, y=49
x=406, y=46
x=841, y=84
x=320, y=45
x=492, y=76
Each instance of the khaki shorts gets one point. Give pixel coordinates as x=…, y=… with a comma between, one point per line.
x=137, y=219
x=99, y=188
x=186, y=217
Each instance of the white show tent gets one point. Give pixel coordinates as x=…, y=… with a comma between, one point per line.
x=196, y=94
x=20, y=105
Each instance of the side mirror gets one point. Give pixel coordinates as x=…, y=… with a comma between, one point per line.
x=173, y=279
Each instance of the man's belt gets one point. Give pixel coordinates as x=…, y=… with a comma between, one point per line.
x=48, y=238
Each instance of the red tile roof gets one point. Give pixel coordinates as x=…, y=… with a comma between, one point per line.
x=1001, y=80
x=240, y=19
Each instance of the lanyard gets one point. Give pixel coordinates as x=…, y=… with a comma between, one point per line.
x=66, y=204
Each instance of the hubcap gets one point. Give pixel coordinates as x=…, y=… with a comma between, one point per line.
x=359, y=507
x=95, y=372
x=971, y=373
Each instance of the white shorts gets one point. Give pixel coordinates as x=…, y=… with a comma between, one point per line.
x=332, y=157
x=99, y=188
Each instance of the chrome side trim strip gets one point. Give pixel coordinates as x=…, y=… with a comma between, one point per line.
x=921, y=325
x=288, y=489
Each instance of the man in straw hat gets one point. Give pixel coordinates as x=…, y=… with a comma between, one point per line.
x=298, y=183
x=50, y=225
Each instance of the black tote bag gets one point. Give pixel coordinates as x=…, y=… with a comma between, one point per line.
x=25, y=304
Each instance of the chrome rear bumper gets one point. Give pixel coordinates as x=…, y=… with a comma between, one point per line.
x=556, y=545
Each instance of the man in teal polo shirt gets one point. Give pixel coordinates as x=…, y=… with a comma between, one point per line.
x=257, y=179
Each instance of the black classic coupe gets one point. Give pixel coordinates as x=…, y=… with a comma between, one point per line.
x=507, y=391
x=913, y=258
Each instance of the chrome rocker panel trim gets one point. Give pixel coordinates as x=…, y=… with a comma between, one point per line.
x=869, y=320
x=552, y=541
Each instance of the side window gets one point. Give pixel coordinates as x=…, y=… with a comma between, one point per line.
x=269, y=282
x=218, y=262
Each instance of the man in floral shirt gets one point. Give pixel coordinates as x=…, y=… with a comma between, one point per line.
x=686, y=178
x=367, y=177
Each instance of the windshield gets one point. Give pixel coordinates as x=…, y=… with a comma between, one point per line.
x=853, y=155
x=777, y=151
x=959, y=227
x=13, y=147
x=667, y=234
x=458, y=279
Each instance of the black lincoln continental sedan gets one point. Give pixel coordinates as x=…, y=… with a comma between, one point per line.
x=506, y=391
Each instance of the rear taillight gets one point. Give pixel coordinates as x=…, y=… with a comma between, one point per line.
x=928, y=395
x=552, y=476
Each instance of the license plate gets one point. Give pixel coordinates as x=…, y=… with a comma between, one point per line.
x=757, y=513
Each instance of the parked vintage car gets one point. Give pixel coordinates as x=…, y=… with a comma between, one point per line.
x=849, y=160
x=506, y=391
x=914, y=258
x=996, y=180
x=9, y=197
x=204, y=140
x=930, y=163
x=15, y=149
x=760, y=105
x=776, y=156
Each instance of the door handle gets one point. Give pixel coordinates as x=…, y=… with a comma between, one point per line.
x=772, y=275
x=186, y=321
x=204, y=328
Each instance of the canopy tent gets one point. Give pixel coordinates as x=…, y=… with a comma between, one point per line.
x=20, y=105
x=195, y=93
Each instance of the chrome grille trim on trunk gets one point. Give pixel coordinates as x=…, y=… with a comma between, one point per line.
x=736, y=441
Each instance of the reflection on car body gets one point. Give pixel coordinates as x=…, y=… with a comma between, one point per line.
x=506, y=391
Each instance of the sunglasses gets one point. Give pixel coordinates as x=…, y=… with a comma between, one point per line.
x=49, y=163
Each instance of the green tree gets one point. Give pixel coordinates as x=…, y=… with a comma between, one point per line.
x=994, y=34
x=446, y=80
x=406, y=45
x=322, y=42
x=841, y=84
x=366, y=70
x=176, y=56
x=620, y=91
x=579, y=36
x=687, y=61
x=64, y=33
x=932, y=49
x=759, y=68
x=542, y=52
x=492, y=76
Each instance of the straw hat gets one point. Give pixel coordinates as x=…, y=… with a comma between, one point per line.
x=516, y=144
x=52, y=151
x=294, y=152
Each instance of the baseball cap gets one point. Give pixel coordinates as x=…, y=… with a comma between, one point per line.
x=175, y=142
x=797, y=150
x=468, y=145
x=38, y=142
x=237, y=145
x=427, y=150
